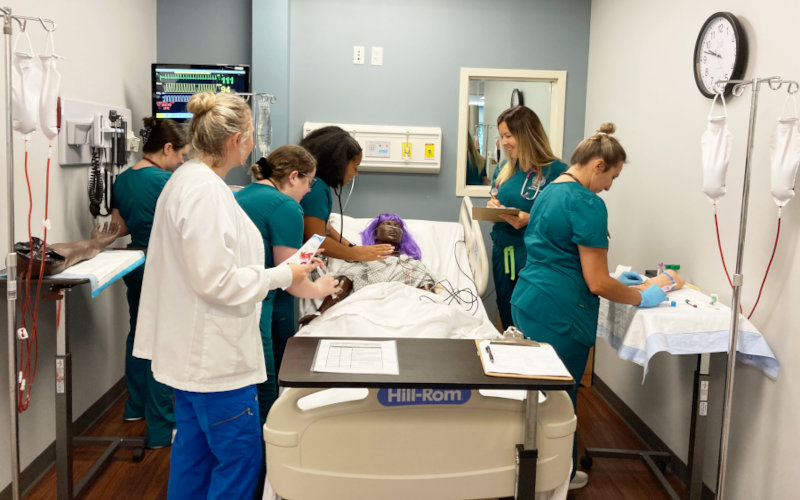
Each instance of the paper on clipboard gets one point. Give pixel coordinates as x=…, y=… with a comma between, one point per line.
x=510, y=360
x=492, y=214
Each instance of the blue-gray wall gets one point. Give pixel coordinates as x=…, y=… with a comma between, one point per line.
x=205, y=32
x=309, y=67
x=301, y=52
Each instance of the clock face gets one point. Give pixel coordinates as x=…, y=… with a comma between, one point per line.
x=720, y=53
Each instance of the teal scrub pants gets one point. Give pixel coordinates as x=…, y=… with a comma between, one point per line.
x=574, y=355
x=507, y=262
x=147, y=397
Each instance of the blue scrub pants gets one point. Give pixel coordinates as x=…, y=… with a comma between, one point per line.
x=510, y=259
x=217, y=451
x=574, y=355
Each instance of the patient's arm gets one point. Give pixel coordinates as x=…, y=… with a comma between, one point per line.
x=77, y=251
x=662, y=281
x=346, y=287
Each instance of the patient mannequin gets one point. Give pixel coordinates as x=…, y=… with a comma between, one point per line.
x=662, y=280
x=403, y=266
x=60, y=256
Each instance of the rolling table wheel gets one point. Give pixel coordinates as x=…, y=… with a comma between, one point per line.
x=586, y=462
x=138, y=454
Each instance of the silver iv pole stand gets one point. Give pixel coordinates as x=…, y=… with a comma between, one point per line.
x=11, y=258
x=774, y=83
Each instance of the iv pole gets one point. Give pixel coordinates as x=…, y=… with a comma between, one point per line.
x=11, y=258
x=775, y=83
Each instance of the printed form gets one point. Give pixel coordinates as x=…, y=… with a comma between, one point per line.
x=356, y=356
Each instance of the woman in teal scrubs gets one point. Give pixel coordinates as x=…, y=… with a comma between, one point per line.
x=273, y=204
x=556, y=300
x=531, y=166
x=136, y=191
x=338, y=155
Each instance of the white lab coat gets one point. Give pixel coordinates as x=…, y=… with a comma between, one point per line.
x=204, y=281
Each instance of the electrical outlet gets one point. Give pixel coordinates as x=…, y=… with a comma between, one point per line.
x=358, y=54
x=377, y=56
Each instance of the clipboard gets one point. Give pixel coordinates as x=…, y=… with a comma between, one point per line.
x=492, y=214
x=488, y=362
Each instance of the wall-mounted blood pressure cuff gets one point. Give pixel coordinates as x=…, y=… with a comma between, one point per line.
x=51, y=85
x=716, y=144
x=26, y=81
x=784, y=151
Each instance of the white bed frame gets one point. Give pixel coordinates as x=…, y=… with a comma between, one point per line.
x=362, y=449
x=476, y=249
x=354, y=447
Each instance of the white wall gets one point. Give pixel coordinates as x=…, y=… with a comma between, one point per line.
x=107, y=48
x=640, y=77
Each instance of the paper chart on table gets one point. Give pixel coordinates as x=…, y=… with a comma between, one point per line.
x=356, y=356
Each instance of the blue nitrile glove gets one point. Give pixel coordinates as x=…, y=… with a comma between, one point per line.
x=630, y=278
x=652, y=296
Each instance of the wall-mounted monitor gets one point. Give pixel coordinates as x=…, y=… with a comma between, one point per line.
x=173, y=84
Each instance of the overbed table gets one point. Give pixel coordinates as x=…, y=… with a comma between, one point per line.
x=699, y=327
x=429, y=363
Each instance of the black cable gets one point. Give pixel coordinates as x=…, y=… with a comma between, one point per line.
x=95, y=187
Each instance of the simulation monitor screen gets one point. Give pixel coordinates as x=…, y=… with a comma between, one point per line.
x=174, y=84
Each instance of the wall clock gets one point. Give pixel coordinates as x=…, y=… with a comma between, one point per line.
x=720, y=53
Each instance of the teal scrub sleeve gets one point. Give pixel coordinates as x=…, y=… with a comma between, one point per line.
x=589, y=220
x=317, y=203
x=286, y=228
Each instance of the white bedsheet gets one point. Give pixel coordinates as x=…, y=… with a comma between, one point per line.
x=639, y=334
x=443, y=253
x=398, y=310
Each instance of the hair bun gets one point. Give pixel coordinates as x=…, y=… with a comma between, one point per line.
x=606, y=129
x=201, y=103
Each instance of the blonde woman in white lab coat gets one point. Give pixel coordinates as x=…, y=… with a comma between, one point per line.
x=204, y=281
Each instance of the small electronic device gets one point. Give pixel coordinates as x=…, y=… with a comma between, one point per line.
x=174, y=84
x=307, y=252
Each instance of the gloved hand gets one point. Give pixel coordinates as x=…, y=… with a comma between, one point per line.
x=629, y=278
x=652, y=296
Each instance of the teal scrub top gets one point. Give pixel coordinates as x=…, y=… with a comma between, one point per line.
x=135, y=196
x=551, y=288
x=510, y=195
x=318, y=202
x=279, y=218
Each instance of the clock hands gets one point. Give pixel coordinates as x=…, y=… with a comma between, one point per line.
x=712, y=53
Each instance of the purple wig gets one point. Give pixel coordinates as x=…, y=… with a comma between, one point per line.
x=407, y=244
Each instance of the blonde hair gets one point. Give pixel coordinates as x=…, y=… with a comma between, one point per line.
x=216, y=117
x=601, y=145
x=533, y=147
x=282, y=162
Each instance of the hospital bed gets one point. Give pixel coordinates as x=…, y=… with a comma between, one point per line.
x=343, y=443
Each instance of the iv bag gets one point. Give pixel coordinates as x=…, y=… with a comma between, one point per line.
x=784, y=148
x=51, y=86
x=716, y=147
x=26, y=81
x=263, y=126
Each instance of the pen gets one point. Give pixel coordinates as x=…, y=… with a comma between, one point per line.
x=489, y=351
x=693, y=305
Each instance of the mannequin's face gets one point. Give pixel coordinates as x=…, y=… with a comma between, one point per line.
x=389, y=231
